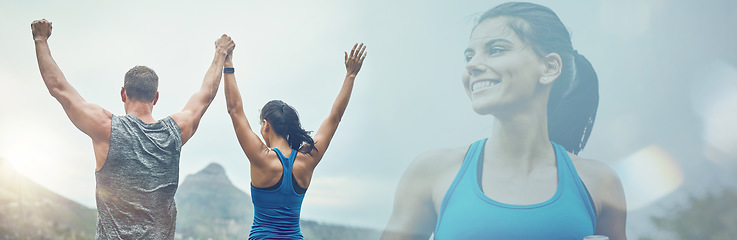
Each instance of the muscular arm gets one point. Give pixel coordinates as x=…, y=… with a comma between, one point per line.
x=189, y=118
x=255, y=150
x=325, y=133
x=89, y=118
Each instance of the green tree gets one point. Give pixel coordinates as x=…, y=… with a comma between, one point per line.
x=712, y=216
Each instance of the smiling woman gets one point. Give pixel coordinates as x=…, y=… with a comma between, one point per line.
x=522, y=69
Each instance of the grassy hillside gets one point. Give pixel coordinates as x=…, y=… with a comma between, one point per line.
x=30, y=211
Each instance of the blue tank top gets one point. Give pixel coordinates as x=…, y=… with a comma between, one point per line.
x=276, y=212
x=467, y=213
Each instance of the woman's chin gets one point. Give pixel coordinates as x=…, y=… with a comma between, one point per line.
x=483, y=108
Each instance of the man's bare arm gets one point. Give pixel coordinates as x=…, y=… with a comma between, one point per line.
x=91, y=119
x=189, y=118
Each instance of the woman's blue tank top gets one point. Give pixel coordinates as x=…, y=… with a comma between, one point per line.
x=276, y=212
x=467, y=213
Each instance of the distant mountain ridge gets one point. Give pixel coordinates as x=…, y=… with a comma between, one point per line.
x=210, y=206
x=30, y=211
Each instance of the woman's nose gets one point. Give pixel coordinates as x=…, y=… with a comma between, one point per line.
x=474, y=66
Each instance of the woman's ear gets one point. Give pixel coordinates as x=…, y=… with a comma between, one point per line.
x=265, y=126
x=552, y=66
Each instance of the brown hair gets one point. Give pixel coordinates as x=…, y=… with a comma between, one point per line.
x=141, y=83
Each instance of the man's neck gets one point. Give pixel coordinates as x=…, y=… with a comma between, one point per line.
x=142, y=110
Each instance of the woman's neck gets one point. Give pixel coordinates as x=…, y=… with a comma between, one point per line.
x=281, y=144
x=520, y=141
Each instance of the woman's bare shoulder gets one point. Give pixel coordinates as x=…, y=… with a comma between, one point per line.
x=606, y=189
x=436, y=160
x=593, y=169
x=602, y=182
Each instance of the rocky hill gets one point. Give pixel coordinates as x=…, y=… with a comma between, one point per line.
x=30, y=211
x=210, y=207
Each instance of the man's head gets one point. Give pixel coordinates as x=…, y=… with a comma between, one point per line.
x=141, y=84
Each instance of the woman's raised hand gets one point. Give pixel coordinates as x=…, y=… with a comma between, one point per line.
x=354, y=61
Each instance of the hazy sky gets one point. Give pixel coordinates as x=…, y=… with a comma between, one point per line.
x=666, y=72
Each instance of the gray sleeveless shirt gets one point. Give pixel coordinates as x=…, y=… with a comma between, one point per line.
x=136, y=185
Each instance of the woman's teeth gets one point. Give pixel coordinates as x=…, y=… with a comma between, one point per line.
x=483, y=84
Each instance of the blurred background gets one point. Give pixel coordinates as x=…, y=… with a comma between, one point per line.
x=666, y=120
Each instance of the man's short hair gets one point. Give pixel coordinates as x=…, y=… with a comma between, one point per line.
x=141, y=84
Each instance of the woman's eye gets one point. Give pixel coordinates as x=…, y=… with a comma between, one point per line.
x=496, y=50
x=469, y=57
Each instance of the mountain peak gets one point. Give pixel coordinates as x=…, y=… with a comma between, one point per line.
x=209, y=204
x=213, y=169
x=212, y=174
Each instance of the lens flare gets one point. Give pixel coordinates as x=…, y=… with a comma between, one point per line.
x=714, y=99
x=648, y=175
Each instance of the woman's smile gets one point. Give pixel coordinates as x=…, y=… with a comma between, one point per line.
x=483, y=84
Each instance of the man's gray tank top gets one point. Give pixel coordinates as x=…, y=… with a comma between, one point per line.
x=136, y=185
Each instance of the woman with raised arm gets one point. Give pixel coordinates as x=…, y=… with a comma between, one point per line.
x=525, y=180
x=281, y=169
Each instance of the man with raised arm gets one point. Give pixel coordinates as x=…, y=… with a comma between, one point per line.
x=137, y=156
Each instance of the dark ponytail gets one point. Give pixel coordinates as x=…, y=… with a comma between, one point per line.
x=285, y=123
x=574, y=96
x=572, y=107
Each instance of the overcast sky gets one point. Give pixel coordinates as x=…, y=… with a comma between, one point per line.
x=666, y=71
